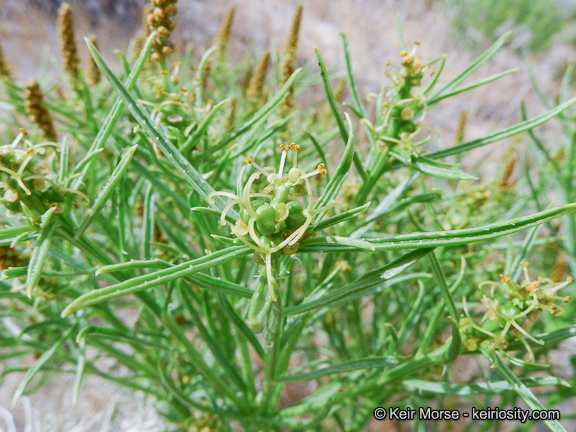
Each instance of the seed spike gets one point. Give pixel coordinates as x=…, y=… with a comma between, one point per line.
x=68, y=46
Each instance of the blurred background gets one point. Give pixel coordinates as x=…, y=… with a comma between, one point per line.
x=544, y=40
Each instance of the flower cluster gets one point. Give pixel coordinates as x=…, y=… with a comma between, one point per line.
x=29, y=185
x=511, y=310
x=403, y=106
x=272, y=222
x=160, y=21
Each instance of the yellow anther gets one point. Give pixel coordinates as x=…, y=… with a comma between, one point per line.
x=23, y=131
x=569, y=279
x=417, y=64
x=249, y=159
x=404, y=53
x=566, y=299
x=416, y=43
x=524, y=263
x=531, y=286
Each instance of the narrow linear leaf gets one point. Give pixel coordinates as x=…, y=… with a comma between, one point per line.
x=334, y=220
x=80, y=369
x=349, y=366
x=261, y=114
x=31, y=373
x=362, y=284
x=333, y=187
x=518, y=386
x=472, y=67
x=107, y=191
x=477, y=388
x=183, y=166
x=504, y=133
x=38, y=258
x=202, y=128
x=160, y=277
x=445, y=238
x=116, y=110
x=441, y=172
x=434, y=100
x=337, y=114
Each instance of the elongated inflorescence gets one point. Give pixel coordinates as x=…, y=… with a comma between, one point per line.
x=160, y=20
x=68, y=48
x=37, y=111
x=4, y=68
x=223, y=39
x=256, y=85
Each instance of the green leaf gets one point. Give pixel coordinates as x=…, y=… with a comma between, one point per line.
x=472, y=67
x=116, y=110
x=107, y=190
x=337, y=114
x=44, y=358
x=182, y=164
x=261, y=114
x=38, y=258
x=202, y=128
x=504, y=133
x=333, y=187
x=334, y=220
x=444, y=238
x=360, y=285
x=434, y=100
x=477, y=388
x=160, y=277
x=440, y=172
x=80, y=369
x=518, y=386
x=349, y=366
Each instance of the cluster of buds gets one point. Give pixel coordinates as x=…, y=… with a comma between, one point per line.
x=37, y=111
x=29, y=185
x=403, y=105
x=159, y=20
x=511, y=310
x=273, y=221
x=70, y=60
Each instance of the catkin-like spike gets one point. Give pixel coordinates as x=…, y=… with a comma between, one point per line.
x=461, y=130
x=258, y=79
x=160, y=20
x=94, y=74
x=230, y=120
x=287, y=70
x=37, y=111
x=4, y=68
x=560, y=269
x=206, y=72
x=505, y=182
x=67, y=42
x=292, y=43
x=224, y=34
